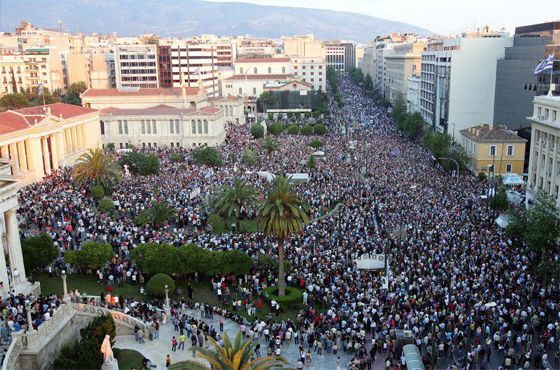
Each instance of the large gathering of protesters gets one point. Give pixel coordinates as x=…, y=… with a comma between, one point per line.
x=454, y=281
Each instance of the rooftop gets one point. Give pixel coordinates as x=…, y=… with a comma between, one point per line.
x=15, y=120
x=143, y=91
x=158, y=110
x=263, y=60
x=491, y=134
x=259, y=77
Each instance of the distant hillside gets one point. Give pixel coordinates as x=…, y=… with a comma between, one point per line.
x=192, y=17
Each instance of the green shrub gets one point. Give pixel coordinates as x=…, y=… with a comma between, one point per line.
x=257, y=130
x=38, y=252
x=110, y=146
x=207, y=156
x=97, y=192
x=320, y=129
x=249, y=158
x=140, y=163
x=143, y=218
x=306, y=130
x=106, y=205
x=316, y=144
x=176, y=157
x=156, y=285
x=311, y=163
x=275, y=129
x=293, y=296
x=293, y=130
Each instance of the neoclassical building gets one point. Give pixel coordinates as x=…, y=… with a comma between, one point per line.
x=154, y=117
x=12, y=269
x=39, y=139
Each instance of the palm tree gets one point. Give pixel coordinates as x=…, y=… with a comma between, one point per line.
x=97, y=167
x=233, y=200
x=231, y=356
x=269, y=144
x=160, y=212
x=282, y=214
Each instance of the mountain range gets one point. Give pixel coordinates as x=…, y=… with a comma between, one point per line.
x=183, y=18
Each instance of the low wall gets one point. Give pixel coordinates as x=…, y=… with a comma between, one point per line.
x=38, y=349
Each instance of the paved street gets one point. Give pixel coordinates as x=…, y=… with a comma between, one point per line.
x=158, y=349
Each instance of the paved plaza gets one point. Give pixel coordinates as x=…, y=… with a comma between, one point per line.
x=157, y=349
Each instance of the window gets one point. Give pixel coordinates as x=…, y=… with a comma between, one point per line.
x=255, y=70
x=193, y=126
x=149, y=126
x=492, y=150
x=510, y=150
x=178, y=145
x=254, y=91
x=491, y=168
x=143, y=124
x=172, y=145
x=171, y=127
x=240, y=91
x=102, y=127
x=121, y=145
x=269, y=70
x=241, y=70
x=199, y=126
x=154, y=126
x=206, y=127
x=284, y=70
x=177, y=131
x=508, y=168
x=120, y=127
x=125, y=126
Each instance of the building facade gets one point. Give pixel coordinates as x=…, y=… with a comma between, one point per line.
x=413, y=94
x=13, y=76
x=335, y=56
x=136, y=66
x=402, y=63
x=516, y=85
x=458, y=80
x=544, y=156
x=192, y=63
x=310, y=70
x=493, y=150
x=40, y=139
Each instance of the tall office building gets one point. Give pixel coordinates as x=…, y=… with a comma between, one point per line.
x=193, y=63
x=136, y=66
x=516, y=85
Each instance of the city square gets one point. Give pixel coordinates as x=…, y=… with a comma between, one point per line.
x=262, y=218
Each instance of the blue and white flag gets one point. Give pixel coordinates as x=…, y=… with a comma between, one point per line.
x=40, y=88
x=545, y=64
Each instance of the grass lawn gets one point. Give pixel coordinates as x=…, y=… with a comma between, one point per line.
x=130, y=359
x=202, y=292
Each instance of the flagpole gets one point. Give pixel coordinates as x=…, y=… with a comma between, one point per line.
x=551, y=70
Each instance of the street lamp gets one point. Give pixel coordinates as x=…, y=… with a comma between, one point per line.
x=65, y=296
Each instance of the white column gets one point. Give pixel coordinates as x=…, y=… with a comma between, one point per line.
x=3, y=268
x=61, y=145
x=46, y=156
x=81, y=137
x=34, y=158
x=14, y=247
x=15, y=159
x=22, y=158
x=68, y=139
x=4, y=152
x=54, y=152
x=74, y=140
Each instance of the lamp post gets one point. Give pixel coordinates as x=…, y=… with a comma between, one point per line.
x=167, y=307
x=29, y=320
x=65, y=296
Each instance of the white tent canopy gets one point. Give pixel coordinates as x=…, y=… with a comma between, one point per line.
x=413, y=357
x=319, y=153
x=267, y=175
x=512, y=179
x=298, y=177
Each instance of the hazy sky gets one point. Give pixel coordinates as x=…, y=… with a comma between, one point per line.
x=440, y=16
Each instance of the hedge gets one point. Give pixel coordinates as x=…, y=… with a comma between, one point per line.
x=293, y=130
x=97, y=192
x=320, y=129
x=306, y=130
x=156, y=285
x=293, y=296
x=257, y=130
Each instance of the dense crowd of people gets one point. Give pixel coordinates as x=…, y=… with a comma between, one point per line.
x=455, y=283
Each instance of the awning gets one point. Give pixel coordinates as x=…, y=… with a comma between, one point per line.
x=298, y=177
x=512, y=179
x=413, y=357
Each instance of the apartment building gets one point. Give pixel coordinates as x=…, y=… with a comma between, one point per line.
x=458, y=78
x=12, y=73
x=335, y=55
x=193, y=62
x=311, y=70
x=45, y=66
x=136, y=66
x=402, y=63
x=303, y=46
x=544, y=155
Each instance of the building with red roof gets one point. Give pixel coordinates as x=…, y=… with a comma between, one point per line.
x=37, y=140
